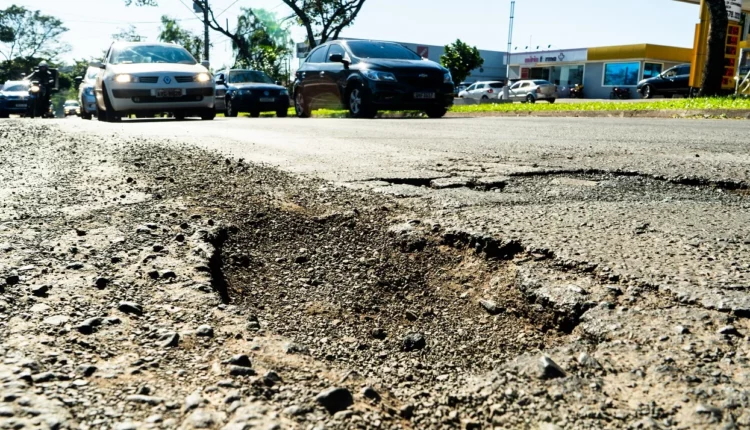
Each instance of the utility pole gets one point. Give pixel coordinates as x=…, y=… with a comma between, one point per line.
x=510, y=36
x=202, y=6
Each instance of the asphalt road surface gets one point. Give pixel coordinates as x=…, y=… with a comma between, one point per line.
x=659, y=201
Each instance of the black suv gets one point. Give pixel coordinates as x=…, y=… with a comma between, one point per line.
x=366, y=75
x=673, y=81
x=249, y=91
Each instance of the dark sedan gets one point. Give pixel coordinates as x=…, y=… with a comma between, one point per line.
x=673, y=81
x=14, y=98
x=250, y=91
x=366, y=76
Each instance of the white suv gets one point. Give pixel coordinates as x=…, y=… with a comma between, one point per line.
x=151, y=78
x=483, y=90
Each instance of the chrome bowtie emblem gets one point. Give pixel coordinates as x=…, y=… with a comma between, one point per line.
x=265, y=93
x=167, y=80
x=423, y=75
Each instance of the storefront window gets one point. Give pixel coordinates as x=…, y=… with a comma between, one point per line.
x=621, y=74
x=567, y=75
x=651, y=70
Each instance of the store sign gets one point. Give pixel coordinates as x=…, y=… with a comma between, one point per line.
x=734, y=10
x=423, y=51
x=730, y=56
x=570, y=55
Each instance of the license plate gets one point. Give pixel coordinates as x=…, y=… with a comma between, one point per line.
x=21, y=105
x=267, y=99
x=424, y=95
x=169, y=93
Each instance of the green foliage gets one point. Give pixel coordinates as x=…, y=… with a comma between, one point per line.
x=26, y=34
x=324, y=20
x=461, y=59
x=698, y=104
x=129, y=34
x=264, y=43
x=172, y=32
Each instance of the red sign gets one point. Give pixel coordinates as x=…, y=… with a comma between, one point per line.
x=730, y=56
x=524, y=73
x=423, y=51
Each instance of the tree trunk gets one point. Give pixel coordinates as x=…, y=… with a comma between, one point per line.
x=713, y=72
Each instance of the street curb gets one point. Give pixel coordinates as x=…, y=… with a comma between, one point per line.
x=705, y=113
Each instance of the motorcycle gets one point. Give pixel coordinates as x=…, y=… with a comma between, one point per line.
x=36, y=106
x=576, y=92
x=620, y=93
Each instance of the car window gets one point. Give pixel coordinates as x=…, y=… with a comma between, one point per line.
x=249, y=76
x=394, y=51
x=496, y=85
x=335, y=49
x=92, y=73
x=480, y=86
x=526, y=85
x=17, y=87
x=149, y=54
x=683, y=70
x=516, y=85
x=318, y=55
x=671, y=72
x=542, y=82
x=471, y=88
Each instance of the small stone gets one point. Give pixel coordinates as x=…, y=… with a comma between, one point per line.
x=169, y=340
x=40, y=378
x=715, y=414
x=205, y=331
x=370, y=393
x=201, y=419
x=158, y=248
x=101, y=283
x=588, y=361
x=153, y=274
x=378, y=333
x=548, y=369
x=12, y=279
x=301, y=259
x=143, y=399
x=126, y=425
x=406, y=412
x=490, y=306
x=56, y=320
x=80, y=232
x=241, y=360
x=86, y=370
x=40, y=291
x=414, y=342
x=193, y=401
x=6, y=411
x=241, y=371
x=681, y=329
x=295, y=348
x=411, y=316
x=335, y=399
x=130, y=308
x=232, y=396
x=168, y=274
x=271, y=378
x=180, y=237
x=75, y=266
x=729, y=330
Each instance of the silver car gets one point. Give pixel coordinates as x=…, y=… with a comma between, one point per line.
x=86, y=96
x=529, y=91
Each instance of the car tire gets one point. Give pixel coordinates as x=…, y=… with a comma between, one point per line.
x=109, y=114
x=179, y=116
x=647, y=92
x=551, y=101
x=301, y=107
x=485, y=98
x=255, y=114
x=436, y=112
x=668, y=95
x=85, y=115
x=4, y=115
x=358, y=103
x=282, y=113
x=208, y=115
x=530, y=99
x=231, y=113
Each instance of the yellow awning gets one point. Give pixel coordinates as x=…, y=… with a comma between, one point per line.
x=641, y=51
x=745, y=3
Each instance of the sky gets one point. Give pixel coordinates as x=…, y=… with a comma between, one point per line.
x=482, y=23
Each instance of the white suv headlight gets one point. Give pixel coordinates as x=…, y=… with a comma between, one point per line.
x=203, y=77
x=123, y=79
x=374, y=75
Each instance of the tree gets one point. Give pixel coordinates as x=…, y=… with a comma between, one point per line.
x=172, y=32
x=713, y=71
x=265, y=41
x=29, y=34
x=461, y=59
x=324, y=20
x=128, y=35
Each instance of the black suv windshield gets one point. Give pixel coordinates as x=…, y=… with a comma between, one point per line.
x=249, y=76
x=394, y=51
x=142, y=54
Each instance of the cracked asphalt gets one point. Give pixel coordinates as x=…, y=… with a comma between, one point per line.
x=659, y=201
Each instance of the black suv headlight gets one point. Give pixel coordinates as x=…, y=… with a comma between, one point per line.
x=374, y=75
x=447, y=78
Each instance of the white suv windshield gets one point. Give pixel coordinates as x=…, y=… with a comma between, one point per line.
x=146, y=54
x=18, y=87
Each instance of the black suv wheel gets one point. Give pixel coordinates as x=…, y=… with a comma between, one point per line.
x=301, y=108
x=359, y=103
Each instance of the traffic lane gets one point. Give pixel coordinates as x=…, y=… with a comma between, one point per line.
x=356, y=150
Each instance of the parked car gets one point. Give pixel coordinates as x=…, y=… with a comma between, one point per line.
x=250, y=91
x=530, y=91
x=144, y=78
x=86, y=96
x=460, y=87
x=14, y=98
x=366, y=76
x=673, y=81
x=71, y=107
x=483, y=90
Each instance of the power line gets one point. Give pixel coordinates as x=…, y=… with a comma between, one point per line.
x=227, y=8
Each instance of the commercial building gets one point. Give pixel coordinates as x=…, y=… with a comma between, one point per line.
x=599, y=69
